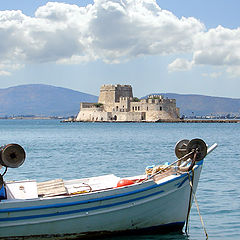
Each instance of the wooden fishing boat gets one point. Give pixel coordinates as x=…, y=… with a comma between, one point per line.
x=158, y=200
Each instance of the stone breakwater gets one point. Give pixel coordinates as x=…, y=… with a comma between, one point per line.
x=204, y=121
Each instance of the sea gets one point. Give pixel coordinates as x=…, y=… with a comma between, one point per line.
x=78, y=150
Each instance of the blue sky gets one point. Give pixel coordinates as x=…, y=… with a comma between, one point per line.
x=180, y=46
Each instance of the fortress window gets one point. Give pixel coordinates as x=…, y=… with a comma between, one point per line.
x=160, y=108
x=133, y=108
x=138, y=108
x=116, y=108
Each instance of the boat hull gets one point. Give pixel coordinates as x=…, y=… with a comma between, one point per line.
x=145, y=206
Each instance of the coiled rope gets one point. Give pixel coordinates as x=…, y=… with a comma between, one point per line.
x=184, y=158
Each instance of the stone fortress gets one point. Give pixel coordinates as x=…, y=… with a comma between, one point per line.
x=116, y=103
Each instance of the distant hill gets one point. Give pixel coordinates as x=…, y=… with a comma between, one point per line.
x=41, y=100
x=201, y=105
x=45, y=100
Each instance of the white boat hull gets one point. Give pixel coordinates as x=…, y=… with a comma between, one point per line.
x=140, y=206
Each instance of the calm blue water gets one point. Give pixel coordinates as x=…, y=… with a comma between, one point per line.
x=75, y=150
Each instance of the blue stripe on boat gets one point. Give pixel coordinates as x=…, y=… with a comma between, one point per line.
x=78, y=210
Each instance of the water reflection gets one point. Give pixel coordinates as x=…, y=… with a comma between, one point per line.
x=169, y=236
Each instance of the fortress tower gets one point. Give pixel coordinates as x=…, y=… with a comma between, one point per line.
x=111, y=94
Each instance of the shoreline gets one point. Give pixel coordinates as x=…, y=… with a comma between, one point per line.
x=165, y=121
x=71, y=120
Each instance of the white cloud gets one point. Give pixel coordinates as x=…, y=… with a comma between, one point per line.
x=234, y=71
x=180, y=65
x=213, y=74
x=113, y=31
x=4, y=73
x=219, y=46
x=6, y=67
x=135, y=28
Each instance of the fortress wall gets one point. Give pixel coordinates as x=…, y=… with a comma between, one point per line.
x=153, y=116
x=124, y=104
x=108, y=116
x=128, y=116
x=178, y=112
x=91, y=115
x=84, y=105
x=141, y=106
x=170, y=107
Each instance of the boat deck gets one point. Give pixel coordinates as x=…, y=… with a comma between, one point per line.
x=31, y=189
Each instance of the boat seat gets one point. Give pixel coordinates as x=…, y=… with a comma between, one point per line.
x=91, y=184
x=51, y=188
x=26, y=189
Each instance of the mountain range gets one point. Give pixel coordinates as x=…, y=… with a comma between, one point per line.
x=41, y=100
x=46, y=100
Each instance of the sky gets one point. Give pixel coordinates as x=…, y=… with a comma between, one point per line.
x=163, y=46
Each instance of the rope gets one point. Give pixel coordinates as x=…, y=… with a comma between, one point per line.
x=5, y=171
x=190, y=200
x=195, y=199
x=196, y=202
x=184, y=158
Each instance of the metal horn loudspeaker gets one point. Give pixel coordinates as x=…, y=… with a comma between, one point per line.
x=12, y=155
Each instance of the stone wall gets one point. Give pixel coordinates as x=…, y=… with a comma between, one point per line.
x=128, y=116
x=93, y=115
x=98, y=116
